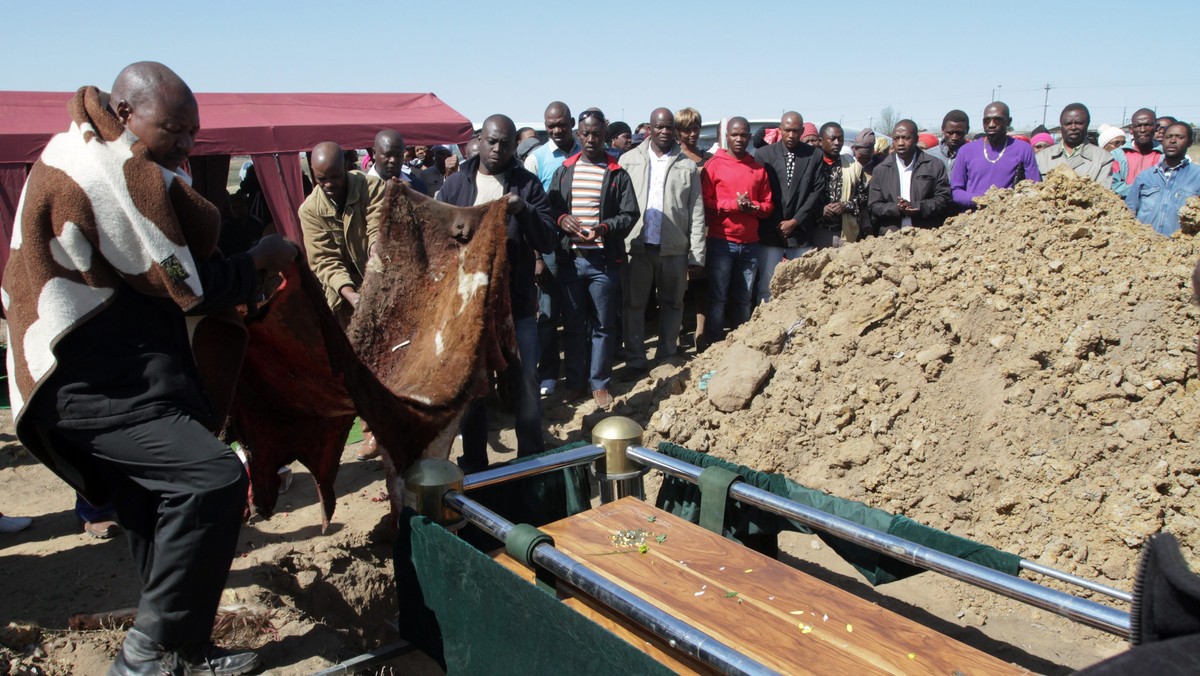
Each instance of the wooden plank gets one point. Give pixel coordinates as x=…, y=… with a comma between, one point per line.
x=597, y=612
x=781, y=617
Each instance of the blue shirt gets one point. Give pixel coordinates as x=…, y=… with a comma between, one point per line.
x=546, y=159
x=1157, y=194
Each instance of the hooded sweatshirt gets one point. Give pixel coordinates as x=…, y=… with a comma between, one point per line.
x=723, y=178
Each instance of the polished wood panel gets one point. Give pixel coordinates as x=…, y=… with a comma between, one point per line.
x=779, y=616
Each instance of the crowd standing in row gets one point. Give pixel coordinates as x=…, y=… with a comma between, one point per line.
x=622, y=213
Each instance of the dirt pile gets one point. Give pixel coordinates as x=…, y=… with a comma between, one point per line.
x=1189, y=216
x=1024, y=376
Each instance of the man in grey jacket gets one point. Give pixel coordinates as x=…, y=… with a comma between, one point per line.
x=1085, y=159
x=666, y=240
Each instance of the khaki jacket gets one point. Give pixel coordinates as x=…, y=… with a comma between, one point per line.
x=683, y=226
x=1090, y=161
x=337, y=248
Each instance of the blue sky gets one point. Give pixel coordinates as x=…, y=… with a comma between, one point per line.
x=756, y=59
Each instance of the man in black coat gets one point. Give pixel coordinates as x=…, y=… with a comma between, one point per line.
x=910, y=188
x=490, y=175
x=797, y=185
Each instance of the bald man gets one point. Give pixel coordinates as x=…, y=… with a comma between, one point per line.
x=110, y=396
x=340, y=221
x=1139, y=154
x=666, y=240
x=995, y=160
x=388, y=153
x=793, y=168
x=484, y=178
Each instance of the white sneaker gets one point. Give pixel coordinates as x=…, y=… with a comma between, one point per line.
x=547, y=388
x=14, y=524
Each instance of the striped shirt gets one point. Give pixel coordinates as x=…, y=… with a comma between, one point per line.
x=585, y=200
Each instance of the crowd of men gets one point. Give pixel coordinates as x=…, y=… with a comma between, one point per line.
x=607, y=215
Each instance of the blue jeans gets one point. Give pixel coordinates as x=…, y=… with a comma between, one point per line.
x=592, y=290
x=523, y=377
x=731, y=267
x=549, y=314
x=769, y=258
x=85, y=511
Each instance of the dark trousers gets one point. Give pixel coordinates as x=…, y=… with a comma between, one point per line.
x=180, y=495
x=549, y=314
x=523, y=377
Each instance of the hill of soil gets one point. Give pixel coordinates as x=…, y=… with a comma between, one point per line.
x=1024, y=376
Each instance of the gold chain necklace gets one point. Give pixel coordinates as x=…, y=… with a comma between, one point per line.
x=985, y=149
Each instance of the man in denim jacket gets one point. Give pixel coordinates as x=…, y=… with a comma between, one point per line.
x=1157, y=194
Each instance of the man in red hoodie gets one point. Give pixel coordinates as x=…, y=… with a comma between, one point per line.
x=737, y=195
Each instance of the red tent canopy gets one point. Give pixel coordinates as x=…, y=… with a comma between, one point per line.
x=271, y=128
x=249, y=124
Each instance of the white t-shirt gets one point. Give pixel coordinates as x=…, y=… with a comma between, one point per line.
x=489, y=188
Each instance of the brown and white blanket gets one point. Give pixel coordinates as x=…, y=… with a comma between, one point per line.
x=95, y=211
x=434, y=319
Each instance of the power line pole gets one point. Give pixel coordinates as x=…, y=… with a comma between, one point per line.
x=1046, y=104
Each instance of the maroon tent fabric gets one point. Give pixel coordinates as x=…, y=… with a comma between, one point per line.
x=286, y=188
x=272, y=128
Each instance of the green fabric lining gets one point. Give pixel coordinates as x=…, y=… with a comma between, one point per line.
x=494, y=622
x=714, y=495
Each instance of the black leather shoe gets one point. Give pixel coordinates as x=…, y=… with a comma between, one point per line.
x=141, y=656
x=214, y=661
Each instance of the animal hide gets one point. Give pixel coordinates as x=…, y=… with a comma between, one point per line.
x=433, y=319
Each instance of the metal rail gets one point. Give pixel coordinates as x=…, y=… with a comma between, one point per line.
x=528, y=468
x=586, y=454
x=678, y=634
x=1076, y=580
x=369, y=659
x=1081, y=610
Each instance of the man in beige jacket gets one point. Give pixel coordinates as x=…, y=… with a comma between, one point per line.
x=666, y=240
x=340, y=221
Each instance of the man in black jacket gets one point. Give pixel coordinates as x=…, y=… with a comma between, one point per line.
x=910, y=188
x=792, y=167
x=592, y=201
x=488, y=176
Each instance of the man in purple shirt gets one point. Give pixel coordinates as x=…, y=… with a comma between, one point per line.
x=994, y=160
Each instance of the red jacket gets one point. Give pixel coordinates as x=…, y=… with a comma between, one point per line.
x=723, y=178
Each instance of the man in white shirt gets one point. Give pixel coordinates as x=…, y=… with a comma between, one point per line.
x=910, y=188
x=666, y=240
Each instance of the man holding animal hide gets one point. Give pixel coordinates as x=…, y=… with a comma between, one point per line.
x=112, y=249
x=490, y=175
x=340, y=223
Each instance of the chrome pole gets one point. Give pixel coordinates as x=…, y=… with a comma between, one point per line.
x=1081, y=610
x=678, y=634
x=528, y=468
x=1077, y=581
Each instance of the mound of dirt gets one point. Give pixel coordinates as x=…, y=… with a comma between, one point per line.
x=1189, y=216
x=1024, y=376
